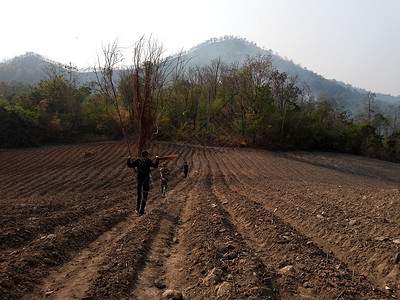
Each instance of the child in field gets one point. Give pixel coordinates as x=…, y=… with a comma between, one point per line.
x=164, y=172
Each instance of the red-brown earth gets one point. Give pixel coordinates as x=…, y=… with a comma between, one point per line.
x=245, y=224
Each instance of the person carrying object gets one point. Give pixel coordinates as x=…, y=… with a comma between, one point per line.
x=142, y=168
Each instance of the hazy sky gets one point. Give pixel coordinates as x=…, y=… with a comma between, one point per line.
x=354, y=41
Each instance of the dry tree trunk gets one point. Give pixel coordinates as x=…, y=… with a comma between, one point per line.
x=149, y=73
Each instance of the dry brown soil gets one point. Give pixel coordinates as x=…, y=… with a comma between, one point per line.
x=245, y=224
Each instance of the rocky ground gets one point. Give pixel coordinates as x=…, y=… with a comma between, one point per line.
x=245, y=224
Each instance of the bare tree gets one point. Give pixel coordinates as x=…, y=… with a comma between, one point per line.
x=149, y=73
x=108, y=82
x=369, y=105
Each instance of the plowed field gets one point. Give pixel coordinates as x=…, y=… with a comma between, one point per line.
x=245, y=224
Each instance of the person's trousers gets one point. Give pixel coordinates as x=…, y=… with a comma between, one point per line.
x=164, y=185
x=142, y=193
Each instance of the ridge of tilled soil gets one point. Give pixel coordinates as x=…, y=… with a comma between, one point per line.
x=340, y=219
x=295, y=257
x=245, y=224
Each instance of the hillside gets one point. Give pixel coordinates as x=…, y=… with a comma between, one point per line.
x=29, y=68
x=245, y=224
x=232, y=49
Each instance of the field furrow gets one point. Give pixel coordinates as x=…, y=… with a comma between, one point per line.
x=245, y=224
x=330, y=226
x=266, y=231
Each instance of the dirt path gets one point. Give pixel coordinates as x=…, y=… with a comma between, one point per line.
x=245, y=224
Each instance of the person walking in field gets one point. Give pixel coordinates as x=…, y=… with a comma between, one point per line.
x=185, y=169
x=164, y=172
x=142, y=167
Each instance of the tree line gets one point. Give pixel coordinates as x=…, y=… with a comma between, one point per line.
x=247, y=104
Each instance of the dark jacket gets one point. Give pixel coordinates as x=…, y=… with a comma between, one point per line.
x=148, y=163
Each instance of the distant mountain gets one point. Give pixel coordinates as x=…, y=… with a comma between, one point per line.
x=234, y=49
x=25, y=68
x=30, y=68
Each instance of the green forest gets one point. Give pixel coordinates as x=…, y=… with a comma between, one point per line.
x=249, y=104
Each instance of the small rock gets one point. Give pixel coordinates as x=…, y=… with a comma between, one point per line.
x=352, y=222
x=171, y=294
x=224, y=289
x=287, y=270
x=231, y=255
x=49, y=236
x=213, y=277
x=381, y=238
x=159, y=284
x=48, y=261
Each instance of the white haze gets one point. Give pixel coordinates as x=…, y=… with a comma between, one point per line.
x=354, y=41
